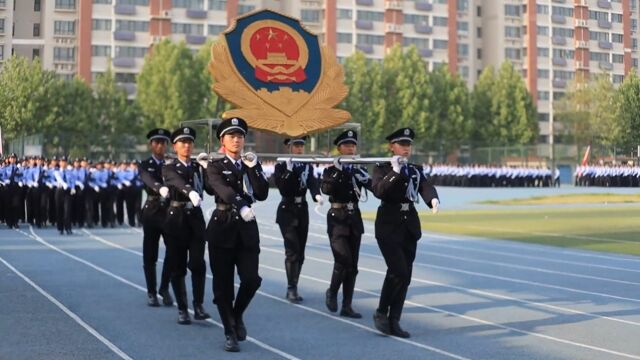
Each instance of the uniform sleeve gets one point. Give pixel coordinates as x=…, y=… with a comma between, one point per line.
x=286, y=181
x=259, y=182
x=331, y=176
x=172, y=178
x=312, y=183
x=426, y=189
x=217, y=183
x=149, y=180
x=385, y=183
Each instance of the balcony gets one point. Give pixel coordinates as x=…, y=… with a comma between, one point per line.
x=196, y=39
x=122, y=35
x=123, y=9
x=427, y=53
x=607, y=45
x=559, y=61
x=559, y=1
x=393, y=5
x=558, y=19
x=424, y=6
x=423, y=29
x=604, y=65
x=196, y=13
x=604, y=4
x=604, y=24
x=364, y=24
x=581, y=66
x=582, y=44
x=392, y=28
x=124, y=62
x=365, y=48
x=559, y=84
x=364, y=2
x=559, y=40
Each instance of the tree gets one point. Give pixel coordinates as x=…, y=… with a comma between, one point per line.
x=118, y=122
x=27, y=97
x=171, y=86
x=628, y=113
x=481, y=107
x=213, y=106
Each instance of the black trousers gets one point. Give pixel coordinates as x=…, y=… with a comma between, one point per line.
x=32, y=200
x=79, y=210
x=294, y=227
x=90, y=197
x=154, y=215
x=63, y=209
x=399, y=254
x=185, y=237
x=106, y=206
x=224, y=262
x=345, y=241
x=43, y=205
x=53, y=217
x=132, y=204
x=119, y=199
x=13, y=197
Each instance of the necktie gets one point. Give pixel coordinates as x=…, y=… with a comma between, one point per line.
x=239, y=165
x=405, y=170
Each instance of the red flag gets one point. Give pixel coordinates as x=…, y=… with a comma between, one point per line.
x=585, y=159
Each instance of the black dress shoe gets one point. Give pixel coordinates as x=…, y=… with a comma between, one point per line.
x=167, y=300
x=241, y=330
x=231, y=344
x=69, y=232
x=152, y=300
x=396, y=330
x=61, y=232
x=292, y=295
x=183, y=317
x=381, y=322
x=331, y=301
x=347, y=311
x=199, y=313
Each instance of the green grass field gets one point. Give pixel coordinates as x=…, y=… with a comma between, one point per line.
x=610, y=229
x=570, y=199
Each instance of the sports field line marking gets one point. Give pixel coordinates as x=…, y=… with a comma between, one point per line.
x=36, y=237
x=420, y=345
x=464, y=289
x=69, y=313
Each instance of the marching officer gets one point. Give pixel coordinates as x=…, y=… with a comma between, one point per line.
x=293, y=180
x=344, y=184
x=397, y=226
x=184, y=225
x=154, y=213
x=66, y=188
x=13, y=183
x=234, y=242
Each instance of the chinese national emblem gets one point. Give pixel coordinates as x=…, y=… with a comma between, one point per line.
x=277, y=75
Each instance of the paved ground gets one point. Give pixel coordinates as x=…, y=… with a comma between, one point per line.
x=83, y=297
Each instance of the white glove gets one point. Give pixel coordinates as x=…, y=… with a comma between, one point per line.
x=65, y=186
x=73, y=191
x=50, y=186
x=96, y=188
x=289, y=164
x=319, y=199
x=201, y=158
x=164, y=192
x=250, y=159
x=395, y=163
x=247, y=214
x=196, y=200
x=127, y=183
x=119, y=186
x=20, y=183
x=435, y=206
x=336, y=163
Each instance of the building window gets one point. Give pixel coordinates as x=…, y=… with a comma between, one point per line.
x=64, y=27
x=440, y=21
x=64, y=54
x=310, y=16
x=543, y=52
x=215, y=30
x=616, y=18
x=563, y=32
x=188, y=4
x=479, y=32
x=35, y=53
x=617, y=58
x=542, y=9
x=107, y=2
x=598, y=15
x=617, y=38
x=599, y=56
x=511, y=53
x=346, y=14
x=217, y=5
x=243, y=9
x=101, y=24
x=512, y=32
x=543, y=95
x=618, y=79
x=36, y=5
x=101, y=50
x=463, y=5
x=36, y=30
x=440, y=44
x=3, y=3
x=131, y=25
x=344, y=38
x=125, y=78
x=366, y=39
x=512, y=10
x=563, y=53
x=1, y=26
x=1, y=52
x=66, y=4
x=416, y=19
x=131, y=51
x=134, y=2
x=543, y=30
x=562, y=11
x=598, y=36
x=478, y=11
x=463, y=50
x=463, y=26
x=187, y=29
x=479, y=54
x=420, y=43
x=562, y=75
x=370, y=15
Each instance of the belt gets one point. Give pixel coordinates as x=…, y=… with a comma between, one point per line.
x=403, y=206
x=349, y=206
x=295, y=199
x=223, y=207
x=181, y=204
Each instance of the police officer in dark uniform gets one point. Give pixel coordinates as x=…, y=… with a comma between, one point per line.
x=154, y=213
x=234, y=242
x=13, y=196
x=397, y=226
x=63, y=196
x=346, y=185
x=184, y=225
x=293, y=180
